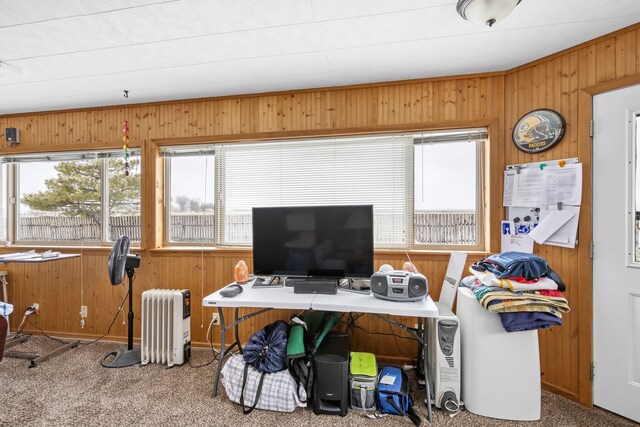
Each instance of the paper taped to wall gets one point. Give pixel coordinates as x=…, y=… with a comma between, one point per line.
x=550, y=224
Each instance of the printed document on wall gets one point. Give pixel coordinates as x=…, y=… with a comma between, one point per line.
x=524, y=188
x=509, y=184
x=563, y=185
x=539, y=185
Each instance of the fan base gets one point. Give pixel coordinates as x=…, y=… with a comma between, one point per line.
x=122, y=358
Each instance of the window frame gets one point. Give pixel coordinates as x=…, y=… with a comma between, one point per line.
x=481, y=182
x=13, y=195
x=481, y=147
x=167, y=153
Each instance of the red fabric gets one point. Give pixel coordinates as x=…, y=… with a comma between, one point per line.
x=521, y=279
x=549, y=293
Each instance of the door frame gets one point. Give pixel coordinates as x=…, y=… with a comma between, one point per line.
x=585, y=233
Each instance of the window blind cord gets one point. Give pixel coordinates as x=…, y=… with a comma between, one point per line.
x=82, y=321
x=202, y=218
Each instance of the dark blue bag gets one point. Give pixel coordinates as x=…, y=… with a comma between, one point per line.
x=266, y=351
x=393, y=393
x=515, y=264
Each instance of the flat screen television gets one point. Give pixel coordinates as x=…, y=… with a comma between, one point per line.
x=313, y=241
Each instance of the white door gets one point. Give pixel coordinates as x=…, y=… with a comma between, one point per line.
x=616, y=261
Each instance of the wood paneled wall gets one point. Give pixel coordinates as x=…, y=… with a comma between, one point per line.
x=563, y=82
x=59, y=287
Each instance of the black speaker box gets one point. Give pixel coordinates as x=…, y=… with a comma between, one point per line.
x=12, y=135
x=331, y=375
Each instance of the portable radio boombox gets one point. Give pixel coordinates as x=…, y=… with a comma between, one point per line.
x=399, y=285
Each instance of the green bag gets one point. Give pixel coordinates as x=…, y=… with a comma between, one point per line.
x=363, y=381
x=305, y=336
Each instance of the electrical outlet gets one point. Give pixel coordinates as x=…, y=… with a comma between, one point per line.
x=83, y=311
x=36, y=305
x=215, y=318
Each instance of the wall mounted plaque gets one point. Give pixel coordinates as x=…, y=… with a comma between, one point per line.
x=538, y=130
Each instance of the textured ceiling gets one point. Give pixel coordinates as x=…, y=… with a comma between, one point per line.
x=79, y=53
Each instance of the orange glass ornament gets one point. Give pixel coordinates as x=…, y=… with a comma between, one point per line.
x=241, y=272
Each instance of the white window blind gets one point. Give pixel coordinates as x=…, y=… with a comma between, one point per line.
x=68, y=156
x=349, y=170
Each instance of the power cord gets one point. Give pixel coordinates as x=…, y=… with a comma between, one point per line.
x=397, y=343
x=114, y=319
x=214, y=352
x=351, y=325
x=31, y=310
x=43, y=333
x=23, y=323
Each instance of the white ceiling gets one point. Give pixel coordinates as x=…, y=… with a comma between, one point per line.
x=80, y=53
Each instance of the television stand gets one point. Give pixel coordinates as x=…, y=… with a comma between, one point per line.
x=313, y=285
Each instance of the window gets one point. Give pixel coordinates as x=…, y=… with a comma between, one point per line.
x=75, y=197
x=448, y=188
x=445, y=187
x=189, y=184
x=349, y=170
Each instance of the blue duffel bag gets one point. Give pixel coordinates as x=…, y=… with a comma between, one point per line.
x=393, y=394
x=266, y=352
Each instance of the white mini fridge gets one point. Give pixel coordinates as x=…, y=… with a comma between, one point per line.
x=500, y=370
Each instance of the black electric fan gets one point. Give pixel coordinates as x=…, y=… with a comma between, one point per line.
x=120, y=261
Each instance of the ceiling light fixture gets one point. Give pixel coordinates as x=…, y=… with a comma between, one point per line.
x=8, y=69
x=485, y=12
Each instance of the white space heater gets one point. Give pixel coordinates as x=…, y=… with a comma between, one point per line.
x=166, y=326
x=444, y=359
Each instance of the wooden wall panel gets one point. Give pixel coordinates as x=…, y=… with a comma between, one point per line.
x=418, y=105
x=62, y=287
x=496, y=100
x=561, y=82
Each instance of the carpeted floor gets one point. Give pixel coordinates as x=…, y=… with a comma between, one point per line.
x=73, y=389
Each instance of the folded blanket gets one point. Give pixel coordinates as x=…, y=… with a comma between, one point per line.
x=522, y=308
x=498, y=300
x=490, y=279
x=516, y=322
x=494, y=301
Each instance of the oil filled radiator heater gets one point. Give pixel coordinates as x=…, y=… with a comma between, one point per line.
x=166, y=326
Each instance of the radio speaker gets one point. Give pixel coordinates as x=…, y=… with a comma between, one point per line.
x=379, y=284
x=417, y=287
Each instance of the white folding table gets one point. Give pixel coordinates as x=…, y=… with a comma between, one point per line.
x=268, y=298
x=29, y=258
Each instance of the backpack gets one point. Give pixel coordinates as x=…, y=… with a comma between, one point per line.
x=266, y=351
x=307, y=332
x=393, y=394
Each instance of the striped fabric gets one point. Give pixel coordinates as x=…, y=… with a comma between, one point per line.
x=489, y=279
x=278, y=390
